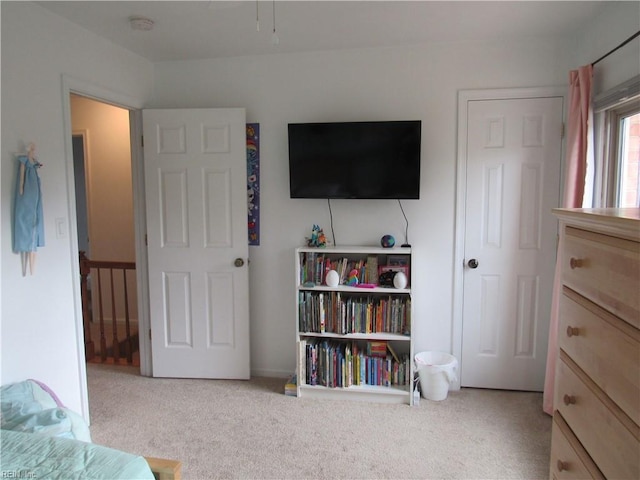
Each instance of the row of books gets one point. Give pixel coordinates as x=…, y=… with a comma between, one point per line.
x=335, y=312
x=337, y=364
x=314, y=268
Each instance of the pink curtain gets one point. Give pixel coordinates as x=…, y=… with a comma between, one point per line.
x=575, y=170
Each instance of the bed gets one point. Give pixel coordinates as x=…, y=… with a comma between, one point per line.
x=41, y=438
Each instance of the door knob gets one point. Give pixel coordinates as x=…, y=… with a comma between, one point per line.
x=238, y=262
x=473, y=263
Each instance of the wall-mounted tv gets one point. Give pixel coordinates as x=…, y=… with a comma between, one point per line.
x=368, y=160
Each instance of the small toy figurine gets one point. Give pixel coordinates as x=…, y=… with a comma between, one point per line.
x=352, y=279
x=318, y=239
x=322, y=239
x=313, y=241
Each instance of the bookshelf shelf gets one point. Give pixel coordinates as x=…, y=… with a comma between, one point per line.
x=353, y=343
x=347, y=289
x=360, y=336
x=358, y=392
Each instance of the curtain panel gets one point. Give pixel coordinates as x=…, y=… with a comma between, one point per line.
x=575, y=172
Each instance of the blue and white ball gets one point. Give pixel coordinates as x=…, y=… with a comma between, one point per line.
x=387, y=241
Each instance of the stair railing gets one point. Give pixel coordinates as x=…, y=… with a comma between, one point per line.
x=93, y=271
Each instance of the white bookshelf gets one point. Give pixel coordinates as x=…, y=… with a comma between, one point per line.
x=341, y=324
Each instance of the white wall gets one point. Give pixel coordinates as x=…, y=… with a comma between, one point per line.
x=109, y=194
x=380, y=84
x=600, y=36
x=419, y=82
x=109, y=184
x=38, y=331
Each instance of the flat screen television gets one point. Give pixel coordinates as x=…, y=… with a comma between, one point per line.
x=368, y=160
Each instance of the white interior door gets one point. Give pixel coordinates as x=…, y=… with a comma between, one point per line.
x=512, y=182
x=196, y=201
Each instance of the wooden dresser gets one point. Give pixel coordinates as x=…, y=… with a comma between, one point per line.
x=596, y=431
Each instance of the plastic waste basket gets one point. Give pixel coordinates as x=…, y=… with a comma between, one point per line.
x=436, y=371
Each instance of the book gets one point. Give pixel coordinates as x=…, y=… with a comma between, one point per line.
x=371, y=275
x=291, y=387
x=393, y=353
x=343, y=270
x=322, y=314
x=377, y=348
x=302, y=362
x=319, y=270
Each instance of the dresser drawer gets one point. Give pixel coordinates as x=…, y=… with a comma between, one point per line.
x=610, y=437
x=605, y=270
x=569, y=460
x=604, y=347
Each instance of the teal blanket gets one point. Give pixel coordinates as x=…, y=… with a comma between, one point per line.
x=37, y=456
x=42, y=439
x=31, y=407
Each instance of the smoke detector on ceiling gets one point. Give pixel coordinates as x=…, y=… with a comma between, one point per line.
x=141, y=23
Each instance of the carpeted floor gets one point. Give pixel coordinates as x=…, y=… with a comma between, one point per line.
x=250, y=429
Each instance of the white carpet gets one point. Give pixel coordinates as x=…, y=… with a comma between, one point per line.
x=250, y=429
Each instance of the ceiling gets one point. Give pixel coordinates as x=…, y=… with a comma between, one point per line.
x=212, y=29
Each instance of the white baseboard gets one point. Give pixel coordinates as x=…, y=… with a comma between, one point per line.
x=271, y=373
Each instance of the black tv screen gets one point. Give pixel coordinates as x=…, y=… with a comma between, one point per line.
x=367, y=160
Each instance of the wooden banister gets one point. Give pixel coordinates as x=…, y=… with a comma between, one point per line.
x=93, y=269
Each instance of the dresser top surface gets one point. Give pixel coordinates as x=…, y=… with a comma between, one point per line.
x=624, y=222
x=603, y=213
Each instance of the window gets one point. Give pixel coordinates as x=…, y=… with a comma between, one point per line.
x=616, y=172
x=628, y=159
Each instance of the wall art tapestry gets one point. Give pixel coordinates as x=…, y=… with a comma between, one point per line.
x=253, y=182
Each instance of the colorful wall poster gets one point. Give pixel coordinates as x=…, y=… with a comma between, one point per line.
x=253, y=182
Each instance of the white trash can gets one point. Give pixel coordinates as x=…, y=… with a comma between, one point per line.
x=436, y=370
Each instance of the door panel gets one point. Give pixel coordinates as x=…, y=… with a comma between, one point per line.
x=513, y=178
x=195, y=170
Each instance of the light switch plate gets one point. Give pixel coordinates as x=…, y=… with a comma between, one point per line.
x=61, y=227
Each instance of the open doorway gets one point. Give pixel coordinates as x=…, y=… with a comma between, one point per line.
x=106, y=229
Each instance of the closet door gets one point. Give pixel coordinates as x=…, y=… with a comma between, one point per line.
x=513, y=178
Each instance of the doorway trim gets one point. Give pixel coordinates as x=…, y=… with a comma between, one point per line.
x=464, y=97
x=140, y=234
x=87, y=89
x=84, y=135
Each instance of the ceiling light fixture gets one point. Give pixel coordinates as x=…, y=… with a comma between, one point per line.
x=274, y=38
x=141, y=23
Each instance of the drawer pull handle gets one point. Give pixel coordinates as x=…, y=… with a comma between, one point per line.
x=573, y=331
x=575, y=263
x=569, y=400
x=562, y=466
